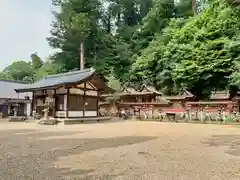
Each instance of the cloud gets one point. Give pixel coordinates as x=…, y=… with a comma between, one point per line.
x=23, y=30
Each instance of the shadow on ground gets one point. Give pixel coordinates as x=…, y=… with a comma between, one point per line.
x=24, y=155
x=231, y=141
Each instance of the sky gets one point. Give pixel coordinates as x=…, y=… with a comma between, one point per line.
x=24, y=27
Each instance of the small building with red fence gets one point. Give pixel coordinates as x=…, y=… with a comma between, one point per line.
x=149, y=102
x=146, y=102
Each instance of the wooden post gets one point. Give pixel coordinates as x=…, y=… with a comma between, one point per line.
x=54, y=103
x=67, y=114
x=32, y=107
x=84, y=99
x=190, y=113
x=98, y=97
x=201, y=114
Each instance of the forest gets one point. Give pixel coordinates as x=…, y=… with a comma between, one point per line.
x=174, y=45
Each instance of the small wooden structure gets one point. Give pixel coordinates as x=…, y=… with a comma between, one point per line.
x=68, y=95
x=178, y=102
x=220, y=96
x=12, y=103
x=144, y=102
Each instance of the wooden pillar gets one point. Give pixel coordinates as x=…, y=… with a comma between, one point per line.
x=84, y=99
x=54, y=103
x=201, y=114
x=67, y=114
x=32, y=106
x=98, y=103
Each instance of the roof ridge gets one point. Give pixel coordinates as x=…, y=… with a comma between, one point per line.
x=68, y=73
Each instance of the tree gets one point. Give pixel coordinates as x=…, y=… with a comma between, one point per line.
x=154, y=21
x=196, y=55
x=115, y=84
x=77, y=21
x=19, y=70
x=36, y=61
x=48, y=68
x=185, y=8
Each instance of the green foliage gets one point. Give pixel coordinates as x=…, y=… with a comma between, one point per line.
x=30, y=71
x=19, y=70
x=228, y=119
x=184, y=8
x=89, y=21
x=48, y=68
x=160, y=41
x=154, y=21
x=198, y=56
x=114, y=83
x=36, y=61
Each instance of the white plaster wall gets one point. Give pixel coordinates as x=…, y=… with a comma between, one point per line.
x=75, y=114
x=62, y=114
x=91, y=93
x=79, y=91
x=87, y=86
x=76, y=91
x=90, y=113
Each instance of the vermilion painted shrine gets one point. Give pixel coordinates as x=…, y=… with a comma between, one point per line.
x=152, y=102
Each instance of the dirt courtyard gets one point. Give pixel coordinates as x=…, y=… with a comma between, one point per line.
x=128, y=150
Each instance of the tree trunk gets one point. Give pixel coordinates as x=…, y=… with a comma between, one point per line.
x=194, y=6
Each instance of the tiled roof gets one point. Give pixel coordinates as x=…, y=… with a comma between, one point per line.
x=219, y=95
x=152, y=89
x=210, y=102
x=7, y=90
x=185, y=94
x=53, y=81
x=129, y=90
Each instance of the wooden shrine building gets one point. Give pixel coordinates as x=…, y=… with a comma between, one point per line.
x=10, y=99
x=135, y=102
x=68, y=95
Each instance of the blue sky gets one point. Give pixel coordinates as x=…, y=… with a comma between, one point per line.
x=25, y=25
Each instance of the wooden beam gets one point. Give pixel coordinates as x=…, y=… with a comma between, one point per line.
x=84, y=99
x=67, y=103
x=90, y=84
x=75, y=86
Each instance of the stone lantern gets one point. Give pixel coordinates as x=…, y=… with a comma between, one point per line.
x=15, y=109
x=46, y=110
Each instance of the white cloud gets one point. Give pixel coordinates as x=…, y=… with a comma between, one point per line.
x=24, y=28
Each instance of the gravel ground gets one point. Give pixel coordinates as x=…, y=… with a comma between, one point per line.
x=128, y=150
